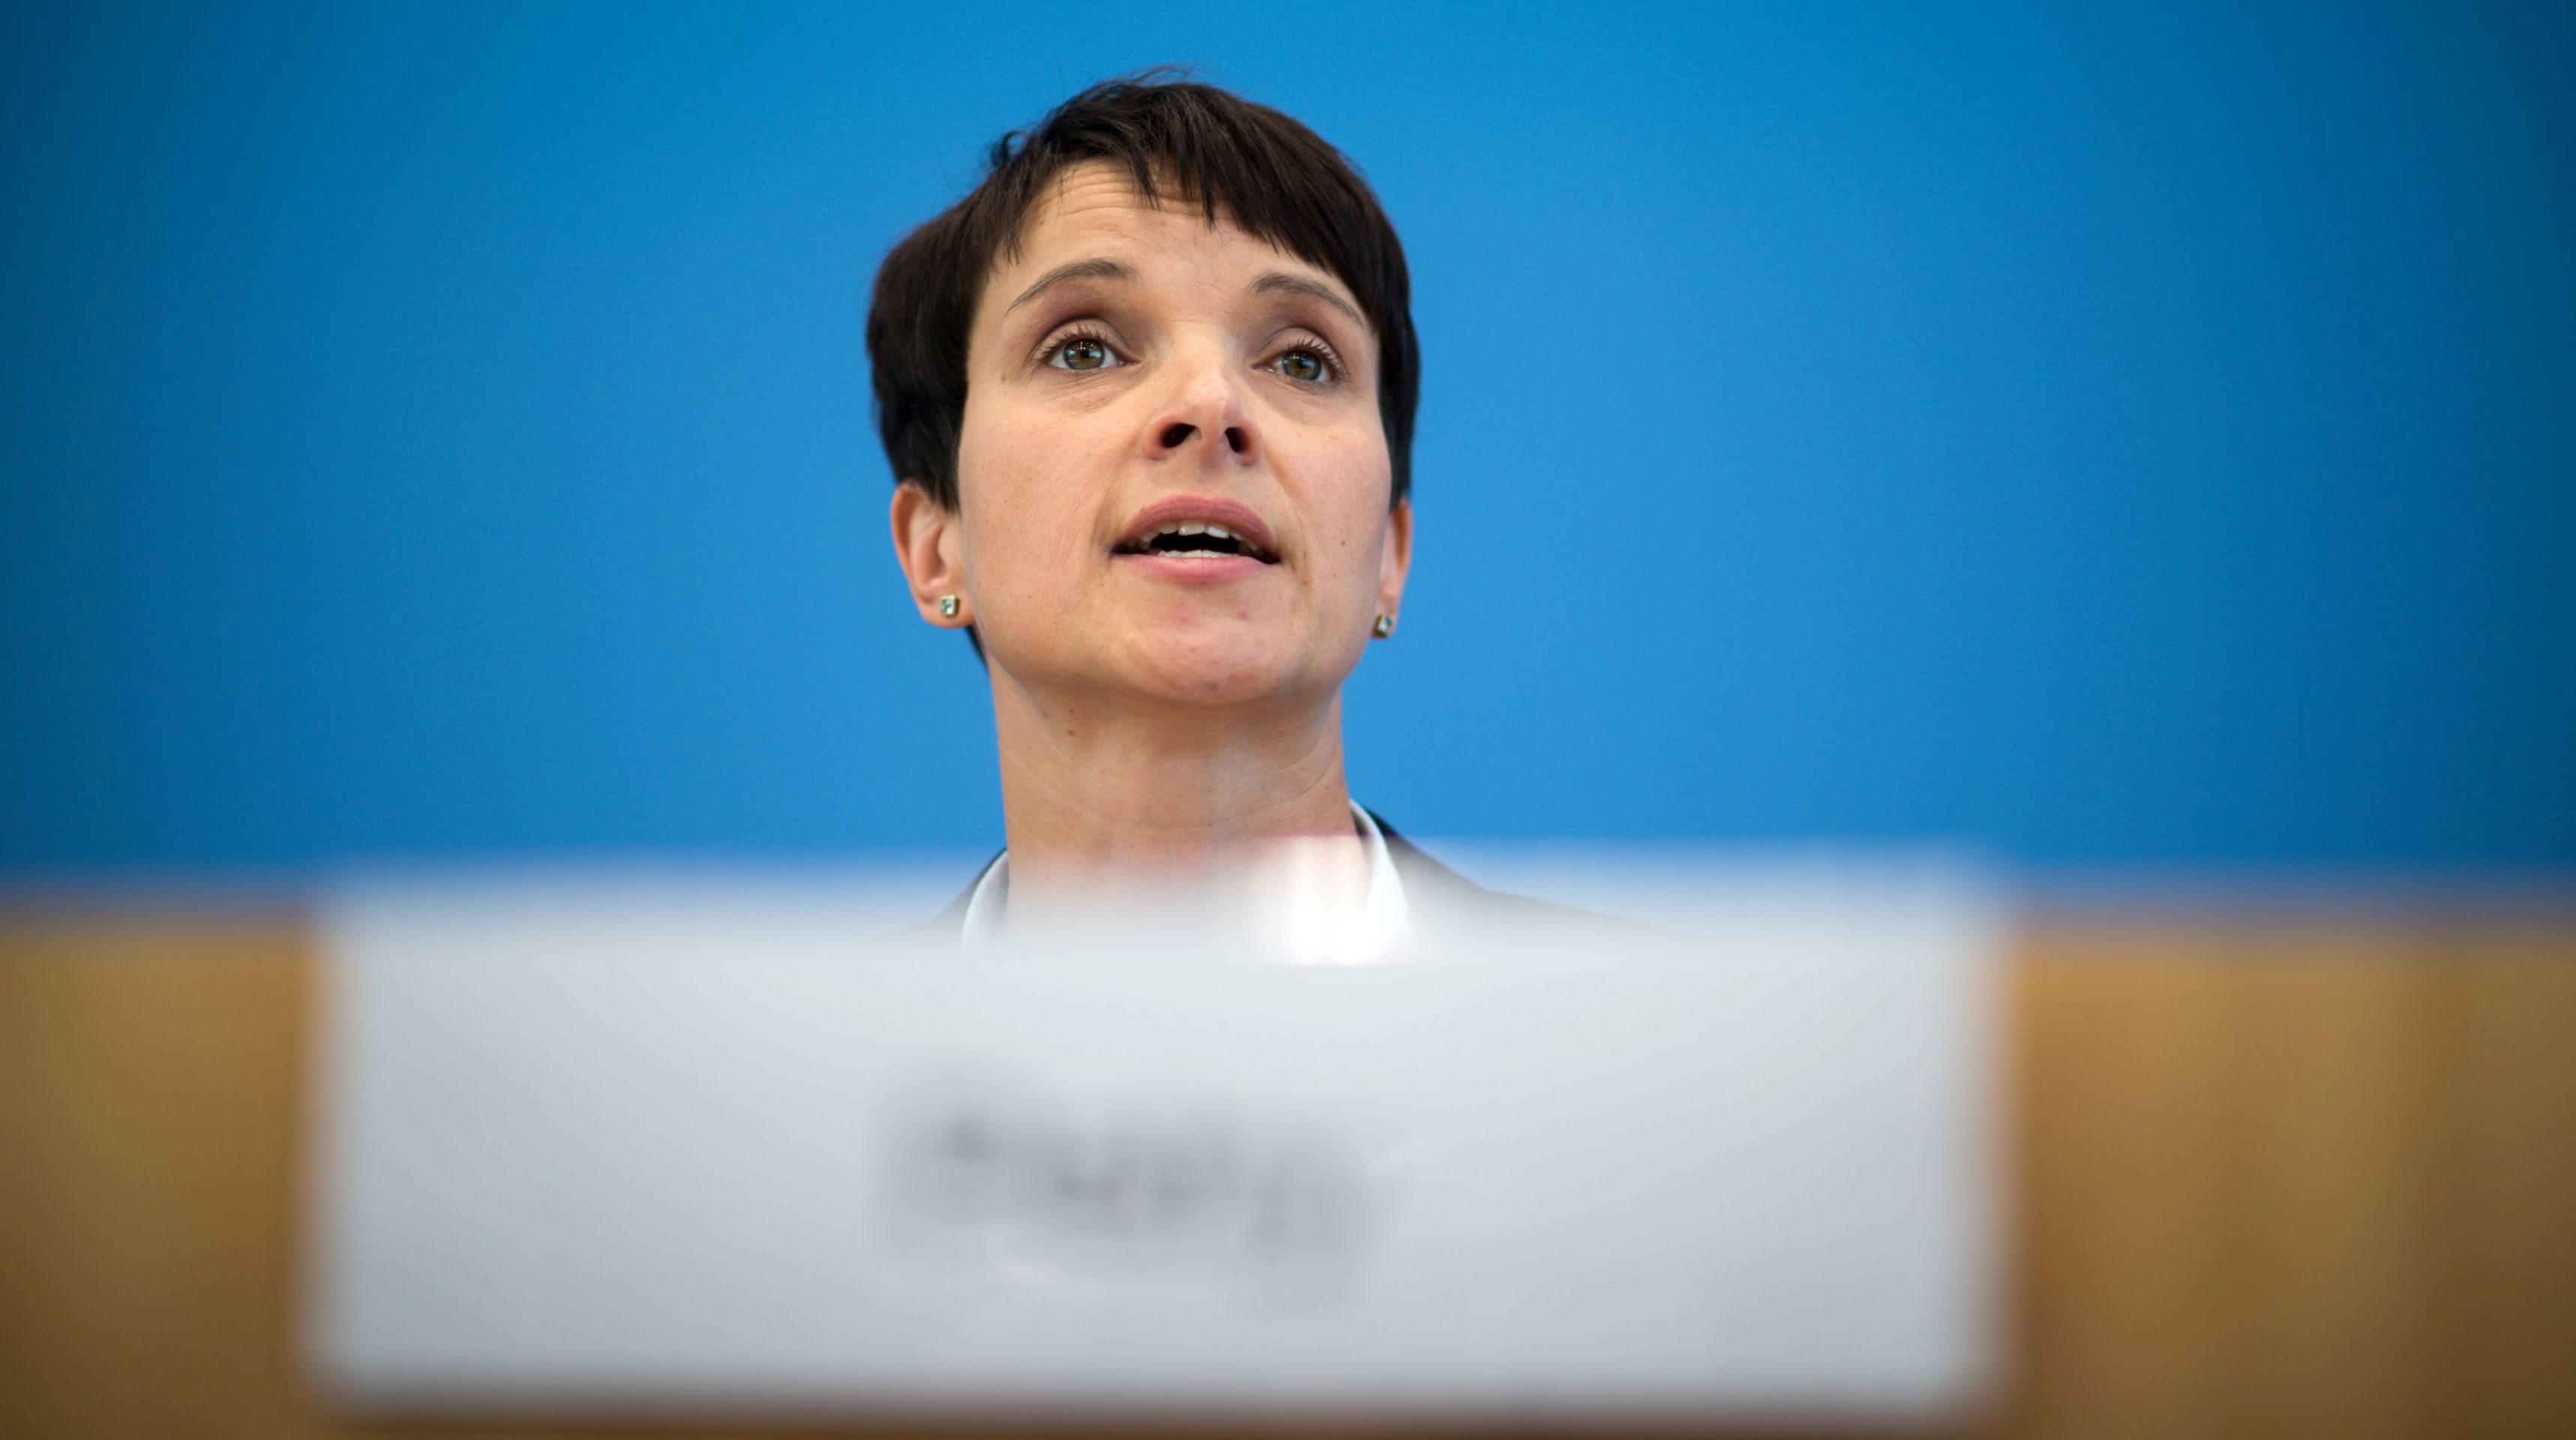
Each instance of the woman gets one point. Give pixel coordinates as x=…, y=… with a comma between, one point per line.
x=1148, y=393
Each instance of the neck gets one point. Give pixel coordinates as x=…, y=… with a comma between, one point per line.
x=1093, y=788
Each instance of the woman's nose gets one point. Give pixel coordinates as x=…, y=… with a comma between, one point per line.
x=1179, y=433
x=1205, y=412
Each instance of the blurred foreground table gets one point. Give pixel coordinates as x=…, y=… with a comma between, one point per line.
x=2276, y=1174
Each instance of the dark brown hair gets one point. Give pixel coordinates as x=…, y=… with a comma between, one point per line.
x=1263, y=171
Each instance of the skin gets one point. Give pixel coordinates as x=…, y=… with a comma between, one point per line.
x=1153, y=713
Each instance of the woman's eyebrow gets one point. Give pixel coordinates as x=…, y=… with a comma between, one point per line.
x=1280, y=283
x=1076, y=270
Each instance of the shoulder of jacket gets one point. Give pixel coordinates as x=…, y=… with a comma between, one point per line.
x=1435, y=892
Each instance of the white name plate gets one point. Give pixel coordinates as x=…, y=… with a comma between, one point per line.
x=625, y=1151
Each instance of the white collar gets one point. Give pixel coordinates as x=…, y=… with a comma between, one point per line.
x=1384, y=917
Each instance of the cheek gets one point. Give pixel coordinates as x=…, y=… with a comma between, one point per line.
x=1018, y=513
x=1354, y=512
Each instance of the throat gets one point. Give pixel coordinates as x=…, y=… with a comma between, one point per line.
x=1090, y=783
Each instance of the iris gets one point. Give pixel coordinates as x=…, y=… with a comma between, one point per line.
x=1303, y=365
x=1081, y=354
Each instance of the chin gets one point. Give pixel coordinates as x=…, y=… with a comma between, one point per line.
x=1214, y=670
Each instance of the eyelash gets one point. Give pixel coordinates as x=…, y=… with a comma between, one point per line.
x=1312, y=344
x=1055, y=345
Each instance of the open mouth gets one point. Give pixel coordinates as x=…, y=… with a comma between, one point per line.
x=1195, y=538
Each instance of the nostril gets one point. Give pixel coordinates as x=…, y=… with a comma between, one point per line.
x=1236, y=440
x=1177, y=434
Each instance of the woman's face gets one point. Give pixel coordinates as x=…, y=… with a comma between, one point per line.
x=1136, y=373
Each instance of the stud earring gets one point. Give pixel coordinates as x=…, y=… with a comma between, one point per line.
x=948, y=606
x=1384, y=627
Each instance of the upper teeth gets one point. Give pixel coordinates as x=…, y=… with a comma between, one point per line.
x=1193, y=527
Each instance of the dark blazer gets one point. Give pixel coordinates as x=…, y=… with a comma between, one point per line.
x=1434, y=896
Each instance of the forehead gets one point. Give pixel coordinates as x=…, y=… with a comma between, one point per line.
x=1094, y=209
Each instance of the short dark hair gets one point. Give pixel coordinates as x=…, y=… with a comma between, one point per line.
x=1265, y=172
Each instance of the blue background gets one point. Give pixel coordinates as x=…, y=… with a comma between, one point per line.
x=2133, y=437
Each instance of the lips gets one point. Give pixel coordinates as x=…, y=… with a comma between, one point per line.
x=1199, y=528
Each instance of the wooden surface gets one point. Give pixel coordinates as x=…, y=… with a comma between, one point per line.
x=2274, y=1176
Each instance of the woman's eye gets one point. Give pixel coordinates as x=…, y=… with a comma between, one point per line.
x=1304, y=365
x=1080, y=353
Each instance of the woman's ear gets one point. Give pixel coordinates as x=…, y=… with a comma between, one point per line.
x=931, y=547
x=1396, y=560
